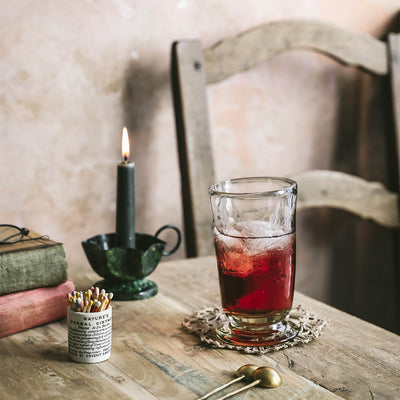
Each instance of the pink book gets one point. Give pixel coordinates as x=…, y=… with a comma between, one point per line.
x=29, y=308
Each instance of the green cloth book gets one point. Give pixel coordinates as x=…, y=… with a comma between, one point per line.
x=31, y=264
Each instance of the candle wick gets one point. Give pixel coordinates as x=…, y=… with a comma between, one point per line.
x=125, y=158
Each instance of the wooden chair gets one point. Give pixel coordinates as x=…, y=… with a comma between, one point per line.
x=193, y=68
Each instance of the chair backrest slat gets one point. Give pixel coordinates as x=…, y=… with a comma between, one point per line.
x=368, y=200
x=243, y=51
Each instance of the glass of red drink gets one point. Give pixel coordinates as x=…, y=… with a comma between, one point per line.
x=255, y=244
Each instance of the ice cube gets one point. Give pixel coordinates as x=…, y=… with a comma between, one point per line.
x=260, y=229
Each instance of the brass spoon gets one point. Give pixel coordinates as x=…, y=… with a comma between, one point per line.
x=263, y=376
x=244, y=372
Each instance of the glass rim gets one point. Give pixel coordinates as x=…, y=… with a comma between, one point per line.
x=291, y=185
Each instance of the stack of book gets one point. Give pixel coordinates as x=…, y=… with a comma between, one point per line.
x=33, y=284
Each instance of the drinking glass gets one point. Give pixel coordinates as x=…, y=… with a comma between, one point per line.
x=255, y=243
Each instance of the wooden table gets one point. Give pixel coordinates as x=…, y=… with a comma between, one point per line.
x=154, y=358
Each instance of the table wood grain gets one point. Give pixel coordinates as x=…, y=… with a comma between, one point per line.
x=153, y=357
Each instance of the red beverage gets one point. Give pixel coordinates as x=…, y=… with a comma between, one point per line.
x=256, y=274
x=254, y=220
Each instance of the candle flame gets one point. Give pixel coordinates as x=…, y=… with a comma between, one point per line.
x=125, y=144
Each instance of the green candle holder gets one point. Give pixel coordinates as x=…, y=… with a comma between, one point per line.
x=125, y=269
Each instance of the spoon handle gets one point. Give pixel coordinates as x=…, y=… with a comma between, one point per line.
x=255, y=383
x=207, y=395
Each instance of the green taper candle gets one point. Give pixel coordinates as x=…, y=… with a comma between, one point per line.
x=125, y=215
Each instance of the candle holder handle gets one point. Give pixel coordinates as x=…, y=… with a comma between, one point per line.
x=178, y=242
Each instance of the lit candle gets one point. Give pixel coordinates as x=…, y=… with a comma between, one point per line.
x=125, y=216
